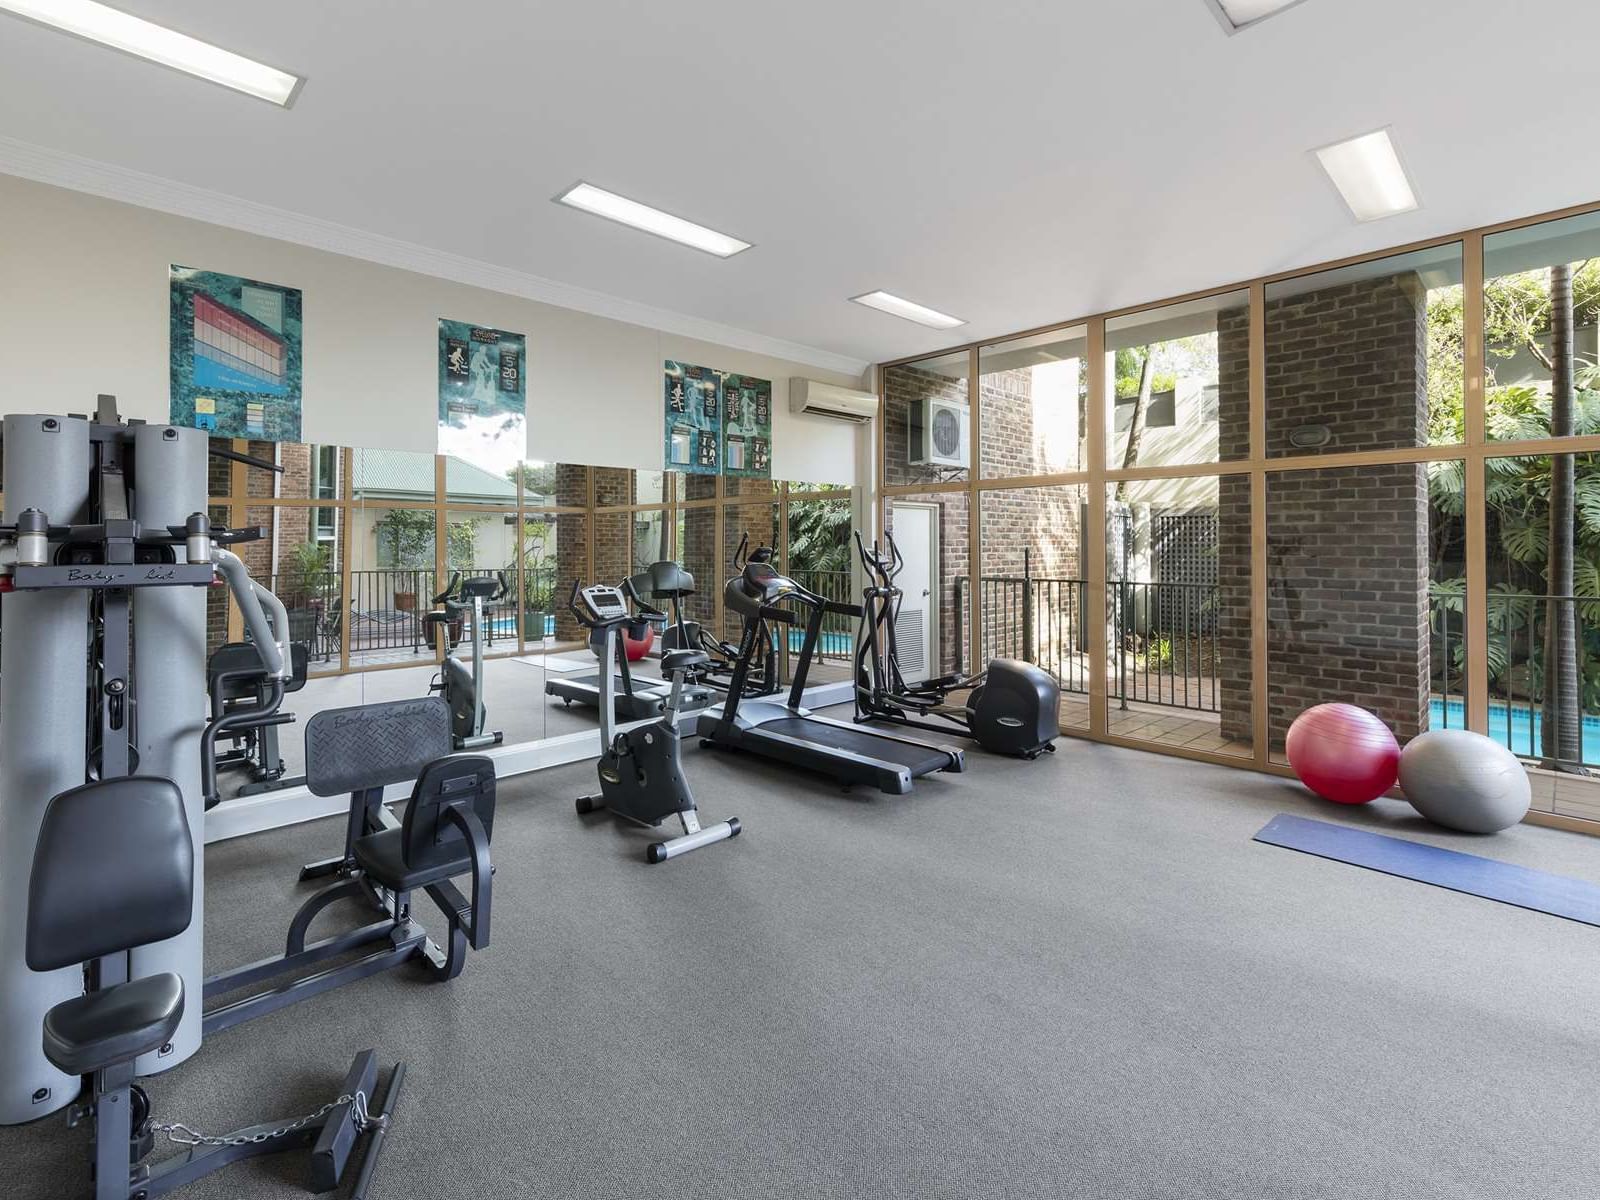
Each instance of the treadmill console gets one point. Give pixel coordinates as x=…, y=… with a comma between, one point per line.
x=602, y=604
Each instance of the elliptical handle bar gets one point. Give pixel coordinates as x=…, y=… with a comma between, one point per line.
x=455, y=582
x=505, y=587
x=897, y=560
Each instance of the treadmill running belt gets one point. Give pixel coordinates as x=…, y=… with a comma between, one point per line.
x=919, y=760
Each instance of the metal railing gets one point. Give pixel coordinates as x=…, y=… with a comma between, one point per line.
x=1517, y=625
x=384, y=611
x=837, y=642
x=1163, y=636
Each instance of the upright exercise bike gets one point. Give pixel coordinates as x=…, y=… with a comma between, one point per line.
x=641, y=778
x=461, y=686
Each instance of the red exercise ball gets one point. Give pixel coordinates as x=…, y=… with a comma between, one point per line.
x=1343, y=753
x=637, y=648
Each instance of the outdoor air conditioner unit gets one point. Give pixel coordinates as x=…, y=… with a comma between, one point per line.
x=818, y=399
x=940, y=433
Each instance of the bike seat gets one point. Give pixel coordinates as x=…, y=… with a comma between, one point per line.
x=679, y=660
x=102, y=1028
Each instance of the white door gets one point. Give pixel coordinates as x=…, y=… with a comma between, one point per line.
x=916, y=533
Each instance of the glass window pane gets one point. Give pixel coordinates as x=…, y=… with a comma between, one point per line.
x=649, y=537
x=1541, y=306
x=927, y=428
x=1366, y=357
x=482, y=545
x=701, y=557
x=570, y=549
x=468, y=482
x=1030, y=600
x=305, y=573
x=820, y=555
x=1174, y=375
x=397, y=476
x=697, y=487
x=392, y=584
x=553, y=485
x=755, y=516
x=1364, y=574
x=613, y=547
x=1032, y=392
x=1543, y=609
x=1178, y=612
x=539, y=580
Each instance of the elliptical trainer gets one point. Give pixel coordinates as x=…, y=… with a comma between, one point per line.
x=641, y=778
x=722, y=657
x=1012, y=708
x=461, y=686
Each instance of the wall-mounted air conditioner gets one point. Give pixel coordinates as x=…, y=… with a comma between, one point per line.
x=817, y=399
x=940, y=433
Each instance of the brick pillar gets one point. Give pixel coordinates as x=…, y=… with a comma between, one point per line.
x=1347, y=548
x=572, y=549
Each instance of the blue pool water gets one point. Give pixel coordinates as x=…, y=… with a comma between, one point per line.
x=1516, y=726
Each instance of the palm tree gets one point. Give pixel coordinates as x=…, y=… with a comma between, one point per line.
x=1561, y=737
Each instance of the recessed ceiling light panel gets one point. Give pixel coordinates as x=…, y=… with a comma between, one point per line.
x=617, y=208
x=1368, y=174
x=145, y=39
x=906, y=310
x=1241, y=14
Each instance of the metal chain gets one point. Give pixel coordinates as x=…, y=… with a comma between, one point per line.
x=184, y=1136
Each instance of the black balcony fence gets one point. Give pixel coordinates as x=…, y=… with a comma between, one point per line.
x=1517, y=625
x=1163, y=636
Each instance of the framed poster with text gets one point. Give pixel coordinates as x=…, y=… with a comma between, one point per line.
x=693, y=399
x=483, y=396
x=235, y=349
x=747, y=426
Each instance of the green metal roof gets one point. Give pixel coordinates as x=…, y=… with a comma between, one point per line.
x=407, y=475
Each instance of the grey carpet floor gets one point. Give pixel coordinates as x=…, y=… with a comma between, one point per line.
x=1073, y=978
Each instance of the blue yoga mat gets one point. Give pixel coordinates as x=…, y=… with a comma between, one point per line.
x=1558, y=895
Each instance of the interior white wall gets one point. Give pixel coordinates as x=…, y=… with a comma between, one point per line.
x=84, y=310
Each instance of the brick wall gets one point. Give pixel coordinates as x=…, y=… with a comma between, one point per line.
x=1347, y=548
x=904, y=390
x=571, y=546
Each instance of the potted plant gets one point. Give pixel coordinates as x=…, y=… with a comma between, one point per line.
x=536, y=588
x=409, y=533
x=304, y=588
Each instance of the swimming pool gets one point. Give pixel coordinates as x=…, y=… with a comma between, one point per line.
x=1518, y=726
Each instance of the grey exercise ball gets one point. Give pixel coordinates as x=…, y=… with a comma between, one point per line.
x=1464, y=781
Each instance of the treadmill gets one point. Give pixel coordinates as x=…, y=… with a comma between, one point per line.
x=785, y=730
x=633, y=699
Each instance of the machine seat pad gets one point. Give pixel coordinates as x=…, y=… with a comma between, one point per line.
x=678, y=660
x=100, y=1029
x=382, y=856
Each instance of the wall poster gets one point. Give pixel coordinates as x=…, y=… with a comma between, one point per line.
x=483, y=395
x=235, y=348
x=694, y=419
x=747, y=426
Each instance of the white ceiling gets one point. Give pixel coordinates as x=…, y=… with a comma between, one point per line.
x=1014, y=162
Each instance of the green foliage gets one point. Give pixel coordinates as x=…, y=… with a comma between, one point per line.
x=405, y=538
x=307, y=573
x=461, y=543
x=819, y=535
x=538, y=581
x=537, y=479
